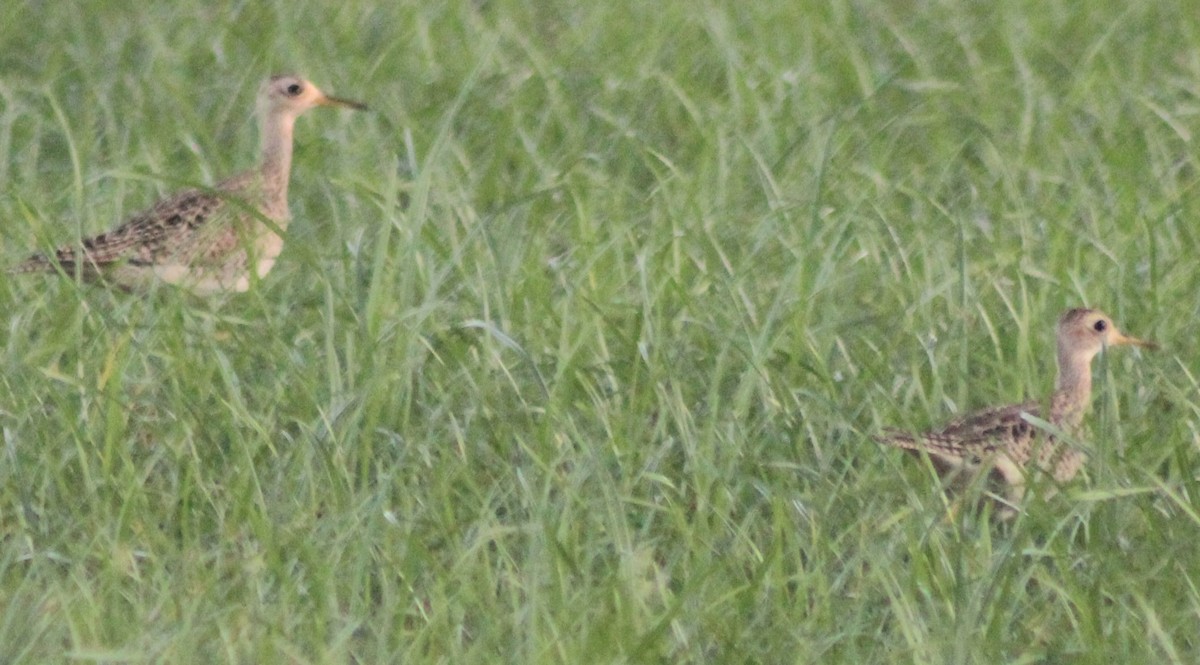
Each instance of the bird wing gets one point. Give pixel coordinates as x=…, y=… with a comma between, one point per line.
x=973, y=435
x=169, y=230
x=146, y=237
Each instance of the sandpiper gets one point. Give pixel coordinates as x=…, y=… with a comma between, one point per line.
x=1003, y=439
x=208, y=241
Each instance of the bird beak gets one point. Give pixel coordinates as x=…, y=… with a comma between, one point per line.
x=1121, y=338
x=327, y=100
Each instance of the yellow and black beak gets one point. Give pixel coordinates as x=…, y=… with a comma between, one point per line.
x=327, y=100
x=1119, y=338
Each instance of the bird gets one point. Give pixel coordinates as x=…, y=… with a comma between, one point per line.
x=208, y=241
x=1004, y=441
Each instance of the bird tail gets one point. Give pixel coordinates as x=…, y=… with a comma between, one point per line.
x=61, y=260
x=896, y=439
x=35, y=263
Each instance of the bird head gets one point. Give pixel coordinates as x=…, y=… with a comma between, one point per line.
x=293, y=95
x=1086, y=332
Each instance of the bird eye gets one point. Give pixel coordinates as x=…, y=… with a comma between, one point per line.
x=1099, y=326
x=293, y=89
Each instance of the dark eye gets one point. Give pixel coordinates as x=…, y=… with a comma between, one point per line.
x=1099, y=326
x=293, y=89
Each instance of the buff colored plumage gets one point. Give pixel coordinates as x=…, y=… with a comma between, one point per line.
x=205, y=240
x=1003, y=439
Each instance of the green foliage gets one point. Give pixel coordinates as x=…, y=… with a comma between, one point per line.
x=577, y=344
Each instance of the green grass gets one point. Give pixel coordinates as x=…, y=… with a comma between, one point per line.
x=577, y=344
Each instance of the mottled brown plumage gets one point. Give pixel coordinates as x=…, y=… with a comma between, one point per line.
x=205, y=240
x=1003, y=439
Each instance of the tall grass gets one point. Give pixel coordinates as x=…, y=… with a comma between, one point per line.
x=579, y=337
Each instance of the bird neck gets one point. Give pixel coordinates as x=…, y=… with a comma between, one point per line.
x=1074, y=375
x=277, y=152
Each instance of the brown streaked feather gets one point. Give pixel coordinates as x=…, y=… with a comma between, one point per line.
x=146, y=238
x=174, y=228
x=1005, y=439
x=195, y=238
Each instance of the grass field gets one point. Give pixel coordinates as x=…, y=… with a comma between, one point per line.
x=580, y=335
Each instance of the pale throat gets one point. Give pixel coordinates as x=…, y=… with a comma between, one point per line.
x=1075, y=373
x=277, y=152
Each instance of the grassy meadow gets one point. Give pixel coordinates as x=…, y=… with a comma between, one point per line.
x=581, y=333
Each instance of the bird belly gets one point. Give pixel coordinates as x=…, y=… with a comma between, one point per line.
x=172, y=273
x=201, y=282
x=267, y=249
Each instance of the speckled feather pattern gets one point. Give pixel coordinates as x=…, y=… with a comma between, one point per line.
x=973, y=439
x=1004, y=438
x=206, y=240
x=177, y=229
